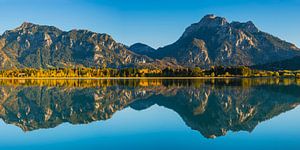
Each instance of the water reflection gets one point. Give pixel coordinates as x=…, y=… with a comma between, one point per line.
x=212, y=107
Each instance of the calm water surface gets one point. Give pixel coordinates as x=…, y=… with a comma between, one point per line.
x=150, y=114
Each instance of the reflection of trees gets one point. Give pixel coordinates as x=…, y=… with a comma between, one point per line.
x=205, y=105
x=145, y=82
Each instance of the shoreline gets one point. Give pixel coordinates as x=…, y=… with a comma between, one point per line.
x=118, y=78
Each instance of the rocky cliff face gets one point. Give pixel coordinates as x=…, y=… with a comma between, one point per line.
x=215, y=41
x=37, y=46
x=210, y=42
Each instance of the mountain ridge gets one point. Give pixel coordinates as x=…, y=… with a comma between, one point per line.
x=213, y=41
x=41, y=46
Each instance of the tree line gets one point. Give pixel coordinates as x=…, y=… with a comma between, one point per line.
x=218, y=71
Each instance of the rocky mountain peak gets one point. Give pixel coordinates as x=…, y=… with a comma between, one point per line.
x=42, y=46
x=209, y=21
x=227, y=44
x=210, y=42
x=31, y=28
x=248, y=26
x=25, y=25
x=210, y=16
x=212, y=20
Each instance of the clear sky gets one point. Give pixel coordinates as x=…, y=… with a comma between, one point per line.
x=153, y=22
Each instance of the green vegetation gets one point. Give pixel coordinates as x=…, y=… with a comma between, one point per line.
x=134, y=72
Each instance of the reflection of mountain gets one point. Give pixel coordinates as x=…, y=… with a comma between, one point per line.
x=212, y=107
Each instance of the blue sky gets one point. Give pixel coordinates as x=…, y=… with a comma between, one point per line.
x=154, y=22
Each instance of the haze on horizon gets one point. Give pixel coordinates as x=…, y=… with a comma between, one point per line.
x=156, y=23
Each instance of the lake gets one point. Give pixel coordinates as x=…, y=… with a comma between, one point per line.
x=139, y=114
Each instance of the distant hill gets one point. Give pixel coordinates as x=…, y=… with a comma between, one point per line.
x=142, y=49
x=289, y=64
x=214, y=41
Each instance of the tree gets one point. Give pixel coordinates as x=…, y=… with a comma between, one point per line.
x=197, y=72
x=227, y=74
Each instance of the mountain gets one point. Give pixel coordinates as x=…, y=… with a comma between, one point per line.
x=211, y=42
x=288, y=64
x=215, y=41
x=39, y=46
x=142, y=49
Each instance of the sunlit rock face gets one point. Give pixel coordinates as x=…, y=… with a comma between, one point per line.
x=40, y=46
x=212, y=107
x=215, y=41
